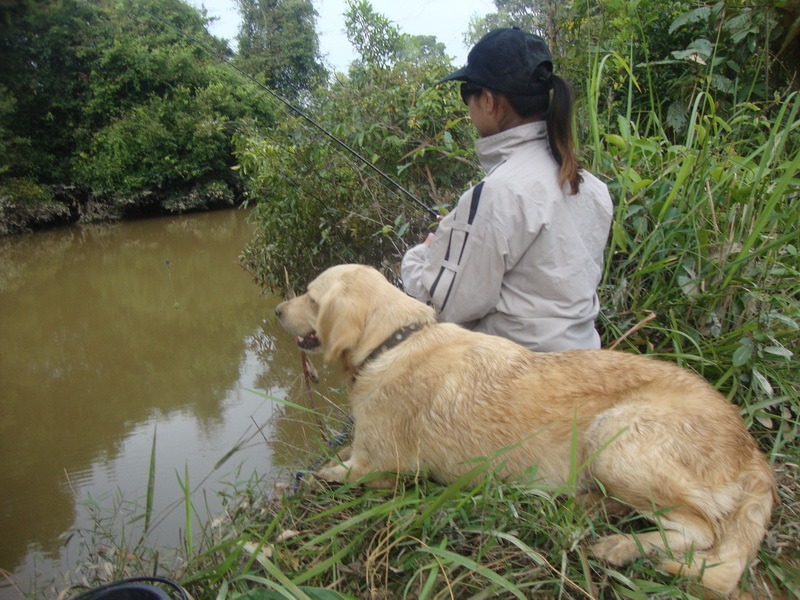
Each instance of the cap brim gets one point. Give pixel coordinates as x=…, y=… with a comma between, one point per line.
x=460, y=74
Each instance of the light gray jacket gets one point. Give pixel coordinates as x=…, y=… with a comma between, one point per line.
x=528, y=264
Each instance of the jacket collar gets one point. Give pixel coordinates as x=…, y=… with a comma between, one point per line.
x=495, y=149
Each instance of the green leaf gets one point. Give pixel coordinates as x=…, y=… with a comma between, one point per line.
x=762, y=383
x=743, y=354
x=616, y=140
x=693, y=16
x=779, y=351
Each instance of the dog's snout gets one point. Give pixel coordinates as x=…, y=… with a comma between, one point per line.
x=279, y=310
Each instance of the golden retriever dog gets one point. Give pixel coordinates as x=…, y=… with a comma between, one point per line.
x=429, y=397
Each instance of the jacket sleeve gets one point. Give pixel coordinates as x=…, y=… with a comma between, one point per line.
x=462, y=272
x=411, y=271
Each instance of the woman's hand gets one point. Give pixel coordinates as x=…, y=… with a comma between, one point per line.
x=429, y=239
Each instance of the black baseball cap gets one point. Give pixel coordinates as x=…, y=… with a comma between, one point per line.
x=506, y=60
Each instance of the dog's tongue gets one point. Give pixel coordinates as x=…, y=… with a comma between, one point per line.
x=308, y=342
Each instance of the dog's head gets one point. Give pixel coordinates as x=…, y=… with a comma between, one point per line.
x=347, y=312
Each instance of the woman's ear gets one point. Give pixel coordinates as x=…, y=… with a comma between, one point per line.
x=489, y=101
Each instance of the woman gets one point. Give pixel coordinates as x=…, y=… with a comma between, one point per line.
x=521, y=255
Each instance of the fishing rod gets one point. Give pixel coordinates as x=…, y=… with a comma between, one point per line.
x=294, y=109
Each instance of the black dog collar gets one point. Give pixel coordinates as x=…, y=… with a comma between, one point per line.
x=397, y=338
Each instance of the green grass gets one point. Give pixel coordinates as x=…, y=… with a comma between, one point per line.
x=420, y=540
x=704, y=251
x=424, y=540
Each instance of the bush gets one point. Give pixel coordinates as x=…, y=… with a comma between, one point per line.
x=24, y=204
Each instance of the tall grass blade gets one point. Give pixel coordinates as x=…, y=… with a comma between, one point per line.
x=284, y=584
x=451, y=491
x=346, y=526
x=320, y=568
x=151, y=483
x=283, y=401
x=475, y=567
x=186, y=488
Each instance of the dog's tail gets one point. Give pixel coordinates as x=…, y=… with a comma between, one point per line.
x=740, y=533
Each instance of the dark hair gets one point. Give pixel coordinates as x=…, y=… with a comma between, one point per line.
x=558, y=108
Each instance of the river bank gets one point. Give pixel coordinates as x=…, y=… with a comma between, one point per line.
x=46, y=207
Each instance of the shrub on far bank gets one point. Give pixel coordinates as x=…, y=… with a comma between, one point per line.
x=135, y=112
x=24, y=203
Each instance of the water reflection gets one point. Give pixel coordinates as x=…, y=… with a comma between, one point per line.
x=110, y=334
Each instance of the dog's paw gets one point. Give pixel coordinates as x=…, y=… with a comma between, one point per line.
x=345, y=453
x=333, y=473
x=616, y=549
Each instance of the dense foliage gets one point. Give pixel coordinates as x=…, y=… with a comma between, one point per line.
x=115, y=107
x=741, y=51
x=321, y=203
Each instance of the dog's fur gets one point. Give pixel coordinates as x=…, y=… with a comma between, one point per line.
x=654, y=436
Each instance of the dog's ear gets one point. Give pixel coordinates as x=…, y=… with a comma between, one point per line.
x=340, y=325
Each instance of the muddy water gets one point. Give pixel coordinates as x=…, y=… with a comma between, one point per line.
x=112, y=337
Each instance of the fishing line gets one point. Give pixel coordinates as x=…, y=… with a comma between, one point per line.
x=294, y=109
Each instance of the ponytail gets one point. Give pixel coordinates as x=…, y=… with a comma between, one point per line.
x=559, y=118
x=558, y=108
